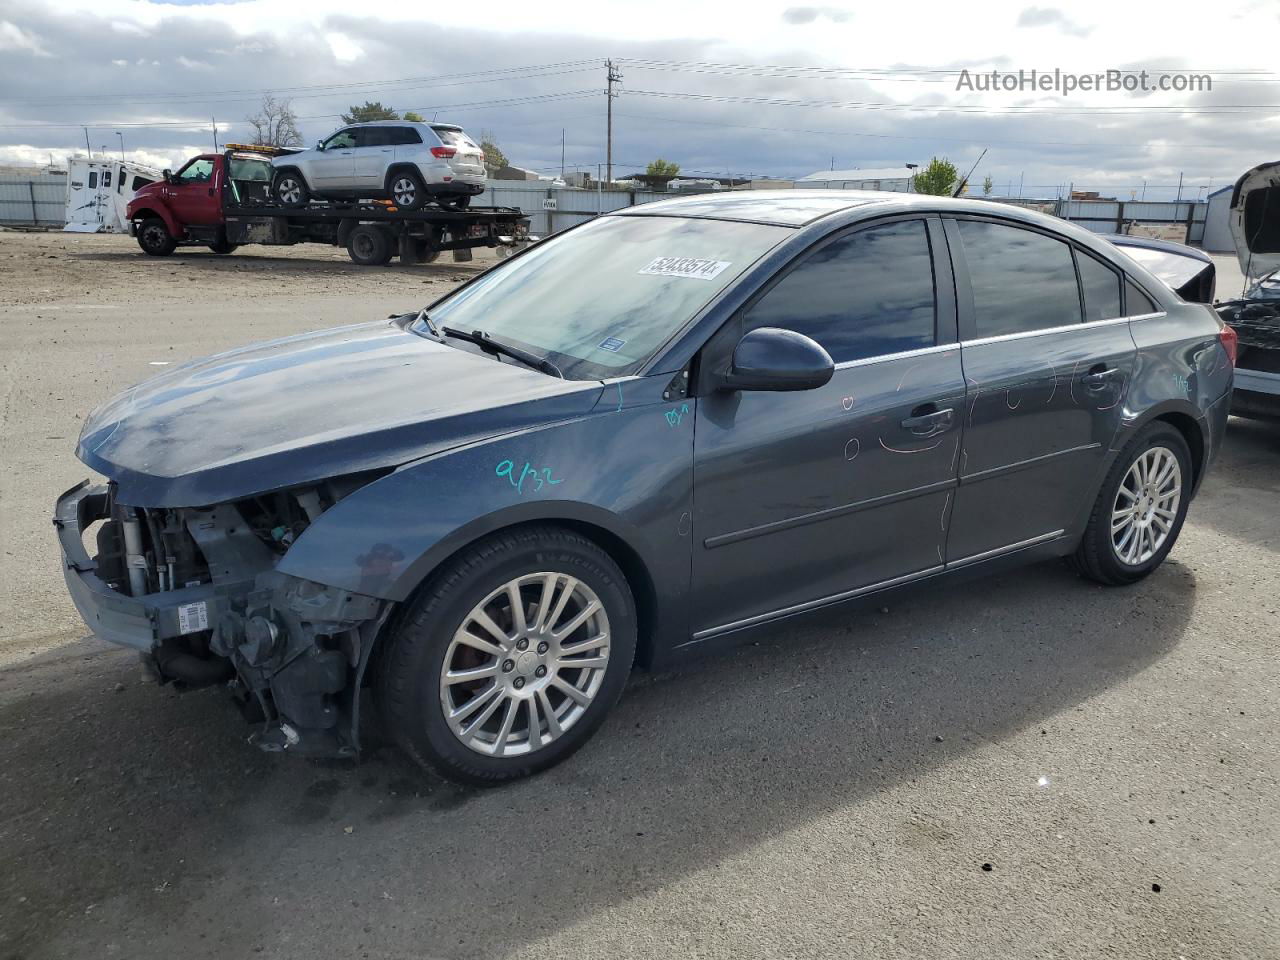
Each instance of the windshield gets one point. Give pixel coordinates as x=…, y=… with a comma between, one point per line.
x=599, y=300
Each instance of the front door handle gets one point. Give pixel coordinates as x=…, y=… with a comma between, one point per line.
x=929, y=421
x=1099, y=376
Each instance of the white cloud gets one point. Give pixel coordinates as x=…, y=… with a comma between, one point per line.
x=344, y=48
x=13, y=37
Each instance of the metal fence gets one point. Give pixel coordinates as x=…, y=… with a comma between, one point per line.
x=39, y=200
x=551, y=209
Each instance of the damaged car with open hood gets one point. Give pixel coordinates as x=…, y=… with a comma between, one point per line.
x=635, y=442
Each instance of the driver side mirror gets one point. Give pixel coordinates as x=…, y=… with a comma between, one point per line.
x=320, y=145
x=168, y=175
x=770, y=358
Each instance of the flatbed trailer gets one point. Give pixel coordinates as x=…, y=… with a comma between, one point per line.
x=222, y=201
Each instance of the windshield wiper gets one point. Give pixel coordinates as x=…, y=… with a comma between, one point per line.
x=492, y=344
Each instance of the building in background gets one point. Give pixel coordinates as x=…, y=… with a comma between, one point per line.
x=896, y=179
x=1217, y=228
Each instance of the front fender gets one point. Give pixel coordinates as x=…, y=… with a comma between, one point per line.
x=626, y=468
x=161, y=211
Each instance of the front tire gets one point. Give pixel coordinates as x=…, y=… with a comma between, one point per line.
x=1140, y=509
x=510, y=657
x=155, y=239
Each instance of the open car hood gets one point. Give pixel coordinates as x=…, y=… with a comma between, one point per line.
x=1189, y=272
x=1254, y=218
x=309, y=408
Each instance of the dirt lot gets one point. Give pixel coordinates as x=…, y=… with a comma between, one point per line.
x=836, y=789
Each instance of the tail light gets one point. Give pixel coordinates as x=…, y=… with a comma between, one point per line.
x=1230, y=341
x=444, y=153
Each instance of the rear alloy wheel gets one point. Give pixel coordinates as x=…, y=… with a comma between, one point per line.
x=407, y=190
x=510, y=658
x=1140, y=508
x=290, y=189
x=154, y=238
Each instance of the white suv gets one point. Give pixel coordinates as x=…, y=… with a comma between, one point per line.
x=410, y=164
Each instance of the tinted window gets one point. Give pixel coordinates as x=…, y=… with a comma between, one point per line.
x=140, y=182
x=1101, y=289
x=865, y=295
x=106, y=178
x=403, y=135
x=453, y=138
x=341, y=140
x=93, y=180
x=1021, y=280
x=1136, y=302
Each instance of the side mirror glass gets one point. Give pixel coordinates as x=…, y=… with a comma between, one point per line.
x=771, y=358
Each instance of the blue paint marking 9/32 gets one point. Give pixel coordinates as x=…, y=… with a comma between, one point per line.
x=540, y=476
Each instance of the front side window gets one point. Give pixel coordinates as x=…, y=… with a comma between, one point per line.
x=1101, y=289
x=342, y=140
x=599, y=300
x=197, y=171
x=1022, y=281
x=867, y=294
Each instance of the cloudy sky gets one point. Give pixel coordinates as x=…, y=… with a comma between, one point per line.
x=763, y=88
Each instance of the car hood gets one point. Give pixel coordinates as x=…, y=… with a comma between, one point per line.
x=1254, y=218
x=306, y=408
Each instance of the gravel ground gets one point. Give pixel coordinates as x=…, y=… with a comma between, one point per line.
x=1037, y=768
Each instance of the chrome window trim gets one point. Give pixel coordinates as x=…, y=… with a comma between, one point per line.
x=1149, y=316
x=1026, y=334
x=901, y=355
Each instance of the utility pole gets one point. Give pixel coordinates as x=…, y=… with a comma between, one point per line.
x=121, y=136
x=86, y=142
x=613, y=77
x=562, y=153
x=214, y=121
x=1179, y=187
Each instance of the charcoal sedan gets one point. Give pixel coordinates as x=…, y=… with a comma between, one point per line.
x=635, y=442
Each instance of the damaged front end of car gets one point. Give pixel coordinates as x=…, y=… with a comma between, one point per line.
x=197, y=592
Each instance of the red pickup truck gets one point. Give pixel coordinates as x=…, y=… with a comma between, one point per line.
x=223, y=200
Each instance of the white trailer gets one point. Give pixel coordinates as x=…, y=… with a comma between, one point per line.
x=99, y=190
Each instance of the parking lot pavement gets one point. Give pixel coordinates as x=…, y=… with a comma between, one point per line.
x=838, y=788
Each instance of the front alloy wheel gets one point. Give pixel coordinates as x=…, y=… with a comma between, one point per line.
x=525, y=665
x=509, y=658
x=1146, y=506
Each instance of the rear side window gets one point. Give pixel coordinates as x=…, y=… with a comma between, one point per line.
x=1022, y=281
x=453, y=138
x=405, y=135
x=867, y=294
x=1137, y=303
x=1101, y=289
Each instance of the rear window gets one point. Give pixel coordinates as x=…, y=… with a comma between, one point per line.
x=453, y=138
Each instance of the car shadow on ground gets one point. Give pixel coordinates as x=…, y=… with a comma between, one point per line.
x=135, y=816
x=336, y=263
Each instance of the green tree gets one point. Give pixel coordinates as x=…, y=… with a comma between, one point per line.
x=987, y=185
x=414, y=117
x=938, y=179
x=494, y=158
x=661, y=168
x=372, y=110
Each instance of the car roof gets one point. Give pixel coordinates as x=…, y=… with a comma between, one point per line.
x=402, y=123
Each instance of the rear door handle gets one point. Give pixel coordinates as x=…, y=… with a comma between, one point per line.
x=929, y=421
x=1099, y=376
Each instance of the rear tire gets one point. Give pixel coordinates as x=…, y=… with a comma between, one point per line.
x=289, y=189
x=369, y=245
x=1140, y=509
x=453, y=201
x=406, y=190
x=427, y=252
x=520, y=679
x=155, y=239
x=221, y=244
